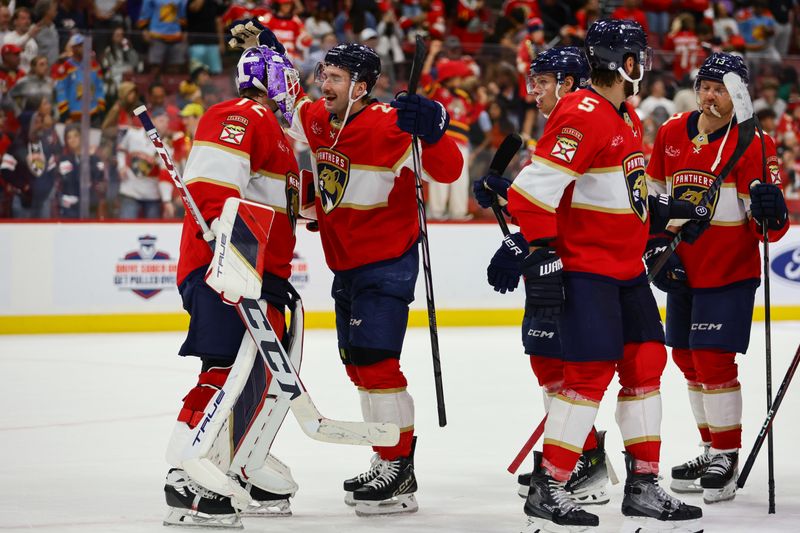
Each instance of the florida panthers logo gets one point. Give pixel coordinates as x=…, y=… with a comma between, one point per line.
x=333, y=172
x=692, y=185
x=633, y=166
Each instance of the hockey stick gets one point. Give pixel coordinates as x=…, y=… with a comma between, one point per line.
x=270, y=348
x=745, y=120
x=527, y=447
x=505, y=153
x=762, y=435
x=767, y=336
x=416, y=69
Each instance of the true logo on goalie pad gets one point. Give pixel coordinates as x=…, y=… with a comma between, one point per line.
x=333, y=173
x=692, y=185
x=633, y=167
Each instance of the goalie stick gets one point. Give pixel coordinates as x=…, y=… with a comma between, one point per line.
x=502, y=157
x=767, y=426
x=416, y=69
x=270, y=348
x=746, y=129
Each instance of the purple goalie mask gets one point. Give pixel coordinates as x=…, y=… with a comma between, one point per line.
x=270, y=72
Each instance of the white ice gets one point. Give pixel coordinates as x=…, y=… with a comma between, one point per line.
x=86, y=418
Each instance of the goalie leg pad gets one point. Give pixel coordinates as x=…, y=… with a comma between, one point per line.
x=241, y=234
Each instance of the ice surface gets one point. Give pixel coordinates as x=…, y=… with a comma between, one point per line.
x=86, y=419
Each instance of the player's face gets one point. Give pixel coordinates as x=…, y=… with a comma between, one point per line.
x=335, y=87
x=544, y=91
x=712, y=95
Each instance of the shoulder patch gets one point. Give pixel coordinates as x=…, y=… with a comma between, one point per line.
x=565, y=147
x=237, y=118
x=232, y=133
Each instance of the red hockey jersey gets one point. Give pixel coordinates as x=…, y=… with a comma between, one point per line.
x=681, y=166
x=365, y=192
x=240, y=150
x=587, y=180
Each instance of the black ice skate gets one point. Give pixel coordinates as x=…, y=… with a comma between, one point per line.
x=266, y=503
x=719, y=479
x=375, y=466
x=647, y=507
x=686, y=477
x=391, y=491
x=191, y=505
x=589, y=481
x=549, y=507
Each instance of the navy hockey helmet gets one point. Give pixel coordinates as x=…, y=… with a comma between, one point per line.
x=563, y=62
x=359, y=60
x=718, y=64
x=610, y=41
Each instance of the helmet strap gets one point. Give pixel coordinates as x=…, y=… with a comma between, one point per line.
x=350, y=102
x=628, y=78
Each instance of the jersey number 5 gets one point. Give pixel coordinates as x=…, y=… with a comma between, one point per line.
x=588, y=104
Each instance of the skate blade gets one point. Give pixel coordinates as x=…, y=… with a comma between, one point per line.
x=349, y=499
x=187, y=518
x=540, y=525
x=270, y=508
x=638, y=524
x=724, y=494
x=406, y=503
x=686, y=486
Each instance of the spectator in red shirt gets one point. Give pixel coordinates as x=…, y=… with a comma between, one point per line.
x=630, y=10
x=685, y=45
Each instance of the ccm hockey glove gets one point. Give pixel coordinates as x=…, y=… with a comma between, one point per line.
x=544, y=283
x=767, y=202
x=420, y=116
x=504, y=268
x=488, y=186
x=247, y=33
x=672, y=277
x=663, y=208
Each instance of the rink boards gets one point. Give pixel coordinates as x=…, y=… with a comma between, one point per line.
x=115, y=277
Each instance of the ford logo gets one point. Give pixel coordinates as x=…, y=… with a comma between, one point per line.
x=787, y=265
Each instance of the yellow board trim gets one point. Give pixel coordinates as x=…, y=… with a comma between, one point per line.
x=418, y=318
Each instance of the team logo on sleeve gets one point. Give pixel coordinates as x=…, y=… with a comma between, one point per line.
x=333, y=173
x=633, y=166
x=692, y=185
x=565, y=148
x=232, y=133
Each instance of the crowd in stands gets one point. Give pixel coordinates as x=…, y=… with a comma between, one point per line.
x=72, y=71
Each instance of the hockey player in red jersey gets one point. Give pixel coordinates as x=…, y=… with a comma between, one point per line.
x=365, y=191
x=239, y=152
x=582, y=205
x=552, y=74
x=711, y=279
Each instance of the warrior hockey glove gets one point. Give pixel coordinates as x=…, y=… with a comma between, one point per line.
x=247, y=33
x=672, y=277
x=504, y=268
x=767, y=202
x=488, y=186
x=663, y=208
x=692, y=230
x=421, y=116
x=544, y=283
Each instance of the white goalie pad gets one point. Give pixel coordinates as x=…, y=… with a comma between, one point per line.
x=241, y=233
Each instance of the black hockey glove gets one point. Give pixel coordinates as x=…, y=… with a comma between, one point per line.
x=504, y=269
x=692, y=230
x=544, y=283
x=672, y=277
x=486, y=188
x=421, y=116
x=247, y=33
x=767, y=202
x=663, y=207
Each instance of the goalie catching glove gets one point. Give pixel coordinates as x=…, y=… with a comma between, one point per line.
x=240, y=234
x=248, y=33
